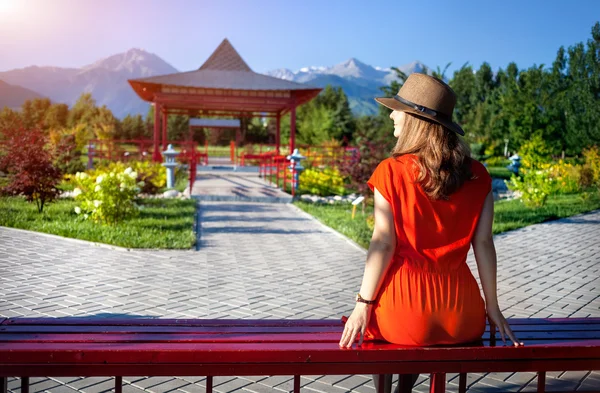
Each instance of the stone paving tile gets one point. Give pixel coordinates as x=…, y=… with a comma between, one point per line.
x=253, y=262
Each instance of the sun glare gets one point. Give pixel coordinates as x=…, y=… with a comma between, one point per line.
x=8, y=6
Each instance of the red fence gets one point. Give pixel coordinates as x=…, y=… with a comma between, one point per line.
x=272, y=166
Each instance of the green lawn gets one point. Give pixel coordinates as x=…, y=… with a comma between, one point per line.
x=499, y=172
x=508, y=215
x=163, y=223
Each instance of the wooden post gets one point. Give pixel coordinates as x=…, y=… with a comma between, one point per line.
x=278, y=132
x=293, y=127
x=156, y=152
x=165, y=116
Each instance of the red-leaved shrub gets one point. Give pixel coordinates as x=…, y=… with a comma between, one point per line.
x=370, y=151
x=29, y=165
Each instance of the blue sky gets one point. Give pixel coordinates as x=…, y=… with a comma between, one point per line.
x=294, y=34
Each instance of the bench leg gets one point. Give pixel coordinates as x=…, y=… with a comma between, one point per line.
x=406, y=383
x=24, y=384
x=296, y=384
x=541, y=382
x=118, y=384
x=3, y=384
x=462, y=383
x=209, y=383
x=383, y=383
x=438, y=383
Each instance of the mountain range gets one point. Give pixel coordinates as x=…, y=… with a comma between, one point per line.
x=106, y=80
x=361, y=82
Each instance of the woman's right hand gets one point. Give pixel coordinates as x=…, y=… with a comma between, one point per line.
x=496, y=318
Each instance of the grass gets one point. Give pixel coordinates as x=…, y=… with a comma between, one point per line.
x=500, y=172
x=508, y=215
x=163, y=223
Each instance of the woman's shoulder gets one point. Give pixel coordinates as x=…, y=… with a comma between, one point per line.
x=403, y=162
x=478, y=168
x=480, y=175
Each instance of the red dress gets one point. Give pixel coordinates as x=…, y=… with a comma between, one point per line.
x=429, y=295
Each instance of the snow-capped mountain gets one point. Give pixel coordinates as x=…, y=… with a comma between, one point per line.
x=361, y=82
x=106, y=79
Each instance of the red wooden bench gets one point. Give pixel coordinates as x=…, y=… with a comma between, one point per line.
x=179, y=347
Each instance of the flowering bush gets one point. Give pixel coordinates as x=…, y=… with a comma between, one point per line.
x=497, y=161
x=535, y=152
x=107, y=197
x=152, y=174
x=534, y=187
x=564, y=178
x=592, y=165
x=322, y=182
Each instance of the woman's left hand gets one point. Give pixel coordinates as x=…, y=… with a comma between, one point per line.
x=356, y=325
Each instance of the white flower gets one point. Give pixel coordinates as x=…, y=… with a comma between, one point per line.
x=122, y=185
x=128, y=170
x=85, y=216
x=99, y=179
x=133, y=175
x=98, y=188
x=77, y=210
x=97, y=203
x=76, y=192
x=83, y=175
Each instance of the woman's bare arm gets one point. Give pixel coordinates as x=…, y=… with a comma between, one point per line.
x=485, y=255
x=381, y=250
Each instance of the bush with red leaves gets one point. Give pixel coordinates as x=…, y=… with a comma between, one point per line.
x=29, y=166
x=370, y=151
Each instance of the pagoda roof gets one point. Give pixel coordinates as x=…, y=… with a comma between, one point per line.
x=221, y=74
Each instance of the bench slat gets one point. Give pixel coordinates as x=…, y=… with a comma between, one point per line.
x=528, y=330
x=115, y=337
x=97, y=353
x=167, y=329
x=303, y=368
x=248, y=322
x=171, y=322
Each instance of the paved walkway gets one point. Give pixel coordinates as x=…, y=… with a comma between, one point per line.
x=241, y=185
x=273, y=261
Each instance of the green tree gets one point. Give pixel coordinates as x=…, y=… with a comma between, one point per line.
x=33, y=112
x=133, y=127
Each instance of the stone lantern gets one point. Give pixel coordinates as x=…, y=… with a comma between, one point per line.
x=170, y=165
x=515, y=164
x=296, y=167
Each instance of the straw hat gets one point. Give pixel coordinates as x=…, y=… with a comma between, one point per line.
x=426, y=97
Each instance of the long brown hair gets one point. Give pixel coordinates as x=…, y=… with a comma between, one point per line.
x=444, y=158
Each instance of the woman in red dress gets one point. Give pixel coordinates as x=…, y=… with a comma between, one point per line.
x=432, y=202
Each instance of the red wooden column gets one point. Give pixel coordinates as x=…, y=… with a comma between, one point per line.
x=278, y=132
x=156, y=157
x=165, y=116
x=293, y=127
